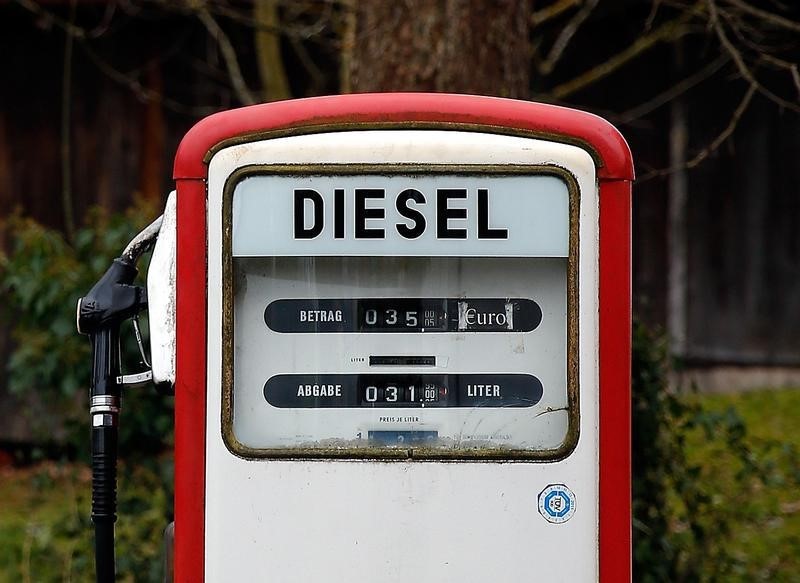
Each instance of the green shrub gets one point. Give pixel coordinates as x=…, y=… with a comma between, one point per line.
x=50, y=536
x=697, y=474
x=41, y=279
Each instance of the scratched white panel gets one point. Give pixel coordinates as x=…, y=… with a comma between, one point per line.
x=262, y=353
x=402, y=521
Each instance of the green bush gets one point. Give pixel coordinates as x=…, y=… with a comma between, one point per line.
x=50, y=536
x=697, y=474
x=42, y=278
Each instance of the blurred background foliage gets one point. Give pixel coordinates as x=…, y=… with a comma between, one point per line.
x=42, y=277
x=46, y=535
x=704, y=485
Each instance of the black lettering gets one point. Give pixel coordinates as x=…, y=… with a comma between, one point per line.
x=444, y=213
x=484, y=232
x=410, y=213
x=363, y=213
x=300, y=196
x=338, y=213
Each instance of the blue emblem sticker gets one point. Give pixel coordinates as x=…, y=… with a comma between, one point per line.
x=557, y=503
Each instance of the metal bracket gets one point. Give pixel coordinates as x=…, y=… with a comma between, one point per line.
x=136, y=380
x=138, y=333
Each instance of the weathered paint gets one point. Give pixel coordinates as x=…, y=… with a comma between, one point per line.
x=614, y=170
x=320, y=518
x=161, y=298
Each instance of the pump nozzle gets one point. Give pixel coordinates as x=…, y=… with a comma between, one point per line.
x=112, y=300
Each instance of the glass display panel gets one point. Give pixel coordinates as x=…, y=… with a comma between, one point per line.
x=475, y=358
x=341, y=346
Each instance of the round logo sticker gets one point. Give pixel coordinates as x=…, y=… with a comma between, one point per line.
x=557, y=503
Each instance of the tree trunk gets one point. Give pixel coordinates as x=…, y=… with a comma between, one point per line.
x=458, y=46
x=274, y=81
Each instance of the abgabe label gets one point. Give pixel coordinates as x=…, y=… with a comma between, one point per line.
x=322, y=391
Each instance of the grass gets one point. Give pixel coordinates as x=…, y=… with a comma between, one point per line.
x=45, y=534
x=42, y=527
x=764, y=523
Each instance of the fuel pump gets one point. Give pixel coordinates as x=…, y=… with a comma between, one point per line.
x=398, y=331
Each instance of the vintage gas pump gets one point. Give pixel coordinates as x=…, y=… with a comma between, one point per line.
x=399, y=336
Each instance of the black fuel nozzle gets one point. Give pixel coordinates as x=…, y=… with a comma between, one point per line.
x=112, y=299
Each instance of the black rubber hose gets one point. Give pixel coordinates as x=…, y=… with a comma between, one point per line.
x=105, y=368
x=104, y=500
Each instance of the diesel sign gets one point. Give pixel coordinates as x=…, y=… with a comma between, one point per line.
x=368, y=208
x=414, y=215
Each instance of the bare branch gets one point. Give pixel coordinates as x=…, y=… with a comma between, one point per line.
x=69, y=27
x=667, y=31
x=127, y=80
x=143, y=93
x=308, y=63
x=724, y=135
x=737, y=57
x=245, y=18
x=102, y=27
x=748, y=34
x=296, y=13
x=674, y=91
x=228, y=55
x=781, y=64
x=728, y=131
x=553, y=11
x=564, y=38
x=648, y=23
x=714, y=22
x=766, y=16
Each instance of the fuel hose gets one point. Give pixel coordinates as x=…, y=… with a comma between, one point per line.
x=104, y=412
x=111, y=301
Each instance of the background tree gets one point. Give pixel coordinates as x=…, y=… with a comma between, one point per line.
x=457, y=46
